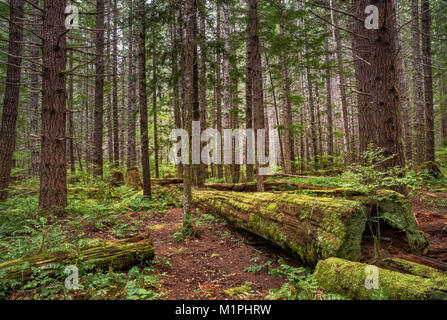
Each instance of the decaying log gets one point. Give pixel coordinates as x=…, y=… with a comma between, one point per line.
x=312, y=228
x=350, y=280
x=117, y=254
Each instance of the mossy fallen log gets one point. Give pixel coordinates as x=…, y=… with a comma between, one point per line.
x=268, y=186
x=349, y=279
x=166, y=181
x=117, y=254
x=312, y=228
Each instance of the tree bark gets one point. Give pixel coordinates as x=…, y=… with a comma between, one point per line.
x=380, y=79
x=226, y=80
x=219, y=85
x=418, y=97
x=330, y=130
x=53, y=172
x=289, y=153
x=428, y=83
x=117, y=254
x=132, y=109
x=34, y=121
x=147, y=192
x=11, y=96
x=342, y=83
x=99, y=91
x=258, y=109
x=116, y=146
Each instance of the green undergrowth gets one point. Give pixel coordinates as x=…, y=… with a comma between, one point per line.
x=94, y=209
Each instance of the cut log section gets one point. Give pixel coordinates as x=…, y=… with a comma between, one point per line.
x=118, y=254
x=356, y=281
x=311, y=228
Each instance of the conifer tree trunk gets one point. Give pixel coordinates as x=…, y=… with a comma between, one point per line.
x=132, y=99
x=428, y=83
x=219, y=85
x=11, y=96
x=143, y=100
x=34, y=103
x=249, y=95
x=289, y=153
x=330, y=134
x=116, y=146
x=99, y=91
x=258, y=109
x=53, y=171
x=418, y=92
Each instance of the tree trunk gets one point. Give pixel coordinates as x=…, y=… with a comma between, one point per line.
x=53, y=172
x=289, y=154
x=258, y=109
x=312, y=121
x=342, y=83
x=249, y=96
x=226, y=80
x=103, y=255
x=403, y=90
x=349, y=279
x=330, y=130
x=428, y=83
x=155, y=111
x=99, y=91
x=132, y=99
x=418, y=97
x=203, y=82
x=116, y=146
x=380, y=80
x=190, y=44
x=219, y=87
x=34, y=121
x=11, y=96
x=311, y=228
x=143, y=100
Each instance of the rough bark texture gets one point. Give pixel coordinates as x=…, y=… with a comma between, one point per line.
x=132, y=99
x=249, y=96
x=219, y=85
x=348, y=279
x=116, y=145
x=381, y=79
x=428, y=83
x=312, y=227
x=11, y=96
x=418, y=92
x=53, y=171
x=99, y=91
x=258, y=108
x=103, y=255
x=312, y=121
x=34, y=103
x=226, y=78
x=143, y=100
x=190, y=43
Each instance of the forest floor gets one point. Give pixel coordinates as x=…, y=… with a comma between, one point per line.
x=217, y=262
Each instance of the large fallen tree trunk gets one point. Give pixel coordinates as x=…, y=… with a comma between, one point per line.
x=312, y=228
x=350, y=279
x=118, y=254
x=268, y=186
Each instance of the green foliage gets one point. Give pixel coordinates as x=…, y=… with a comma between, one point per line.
x=300, y=285
x=368, y=175
x=256, y=267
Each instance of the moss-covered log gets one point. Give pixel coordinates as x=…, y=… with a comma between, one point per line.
x=268, y=186
x=117, y=254
x=349, y=279
x=166, y=181
x=312, y=228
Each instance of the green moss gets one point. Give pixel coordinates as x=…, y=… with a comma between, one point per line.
x=233, y=292
x=348, y=279
x=438, y=277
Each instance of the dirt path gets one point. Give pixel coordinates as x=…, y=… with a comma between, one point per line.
x=213, y=261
